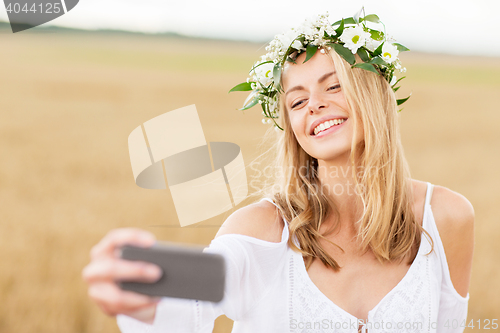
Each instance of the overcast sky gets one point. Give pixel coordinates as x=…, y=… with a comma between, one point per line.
x=444, y=26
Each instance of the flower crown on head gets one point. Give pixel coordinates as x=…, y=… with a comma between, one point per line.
x=378, y=53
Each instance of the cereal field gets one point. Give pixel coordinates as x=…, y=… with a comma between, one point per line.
x=69, y=101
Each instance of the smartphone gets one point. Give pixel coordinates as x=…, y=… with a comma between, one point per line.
x=188, y=272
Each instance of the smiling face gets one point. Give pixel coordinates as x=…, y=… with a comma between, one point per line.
x=317, y=109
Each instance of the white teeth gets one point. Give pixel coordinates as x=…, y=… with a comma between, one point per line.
x=327, y=124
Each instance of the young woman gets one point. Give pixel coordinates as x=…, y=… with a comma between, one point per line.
x=345, y=240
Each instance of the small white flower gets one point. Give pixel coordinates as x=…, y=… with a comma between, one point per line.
x=264, y=121
x=354, y=38
x=285, y=39
x=389, y=52
x=389, y=38
x=298, y=45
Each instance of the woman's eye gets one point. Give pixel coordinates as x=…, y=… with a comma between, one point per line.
x=297, y=104
x=335, y=87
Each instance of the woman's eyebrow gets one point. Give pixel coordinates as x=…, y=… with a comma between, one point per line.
x=293, y=89
x=324, y=77
x=321, y=79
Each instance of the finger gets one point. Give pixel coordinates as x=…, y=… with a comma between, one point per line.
x=119, y=237
x=124, y=270
x=113, y=300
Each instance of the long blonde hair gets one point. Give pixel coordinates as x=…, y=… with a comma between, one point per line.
x=387, y=225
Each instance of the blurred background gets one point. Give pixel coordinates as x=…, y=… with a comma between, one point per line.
x=72, y=90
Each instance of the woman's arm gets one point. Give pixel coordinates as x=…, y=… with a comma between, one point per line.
x=454, y=216
x=247, y=271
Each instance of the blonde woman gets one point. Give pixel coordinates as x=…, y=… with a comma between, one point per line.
x=345, y=240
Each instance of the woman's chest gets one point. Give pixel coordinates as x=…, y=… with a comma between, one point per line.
x=405, y=302
x=360, y=284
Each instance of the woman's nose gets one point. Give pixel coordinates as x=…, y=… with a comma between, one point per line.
x=316, y=103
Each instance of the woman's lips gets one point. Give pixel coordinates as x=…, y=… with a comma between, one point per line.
x=329, y=130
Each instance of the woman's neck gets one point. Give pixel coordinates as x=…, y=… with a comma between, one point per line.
x=337, y=183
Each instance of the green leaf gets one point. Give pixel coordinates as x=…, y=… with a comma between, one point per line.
x=263, y=105
x=372, y=18
x=340, y=29
x=290, y=60
x=348, y=20
x=401, y=48
x=245, y=86
x=378, y=61
x=368, y=67
x=363, y=54
x=402, y=100
x=378, y=50
x=400, y=110
x=277, y=124
x=395, y=89
x=249, y=105
x=277, y=76
x=398, y=80
x=344, y=53
x=310, y=51
x=376, y=35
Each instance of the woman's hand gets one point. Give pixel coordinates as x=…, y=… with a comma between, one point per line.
x=105, y=268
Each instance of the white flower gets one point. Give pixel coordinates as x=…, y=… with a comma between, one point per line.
x=298, y=45
x=354, y=38
x=264, y=73
x=309, y=30
x=286, y=39
x=330, y=30
x=389, y=52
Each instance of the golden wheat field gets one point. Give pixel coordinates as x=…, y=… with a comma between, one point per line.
x=69, y=101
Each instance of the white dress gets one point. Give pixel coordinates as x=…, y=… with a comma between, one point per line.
x=269, y=290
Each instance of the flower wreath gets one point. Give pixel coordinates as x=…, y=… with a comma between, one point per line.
x=377, y=51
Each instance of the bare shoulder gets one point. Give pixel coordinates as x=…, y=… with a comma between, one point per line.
x=260, y=220
x=454, y=216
